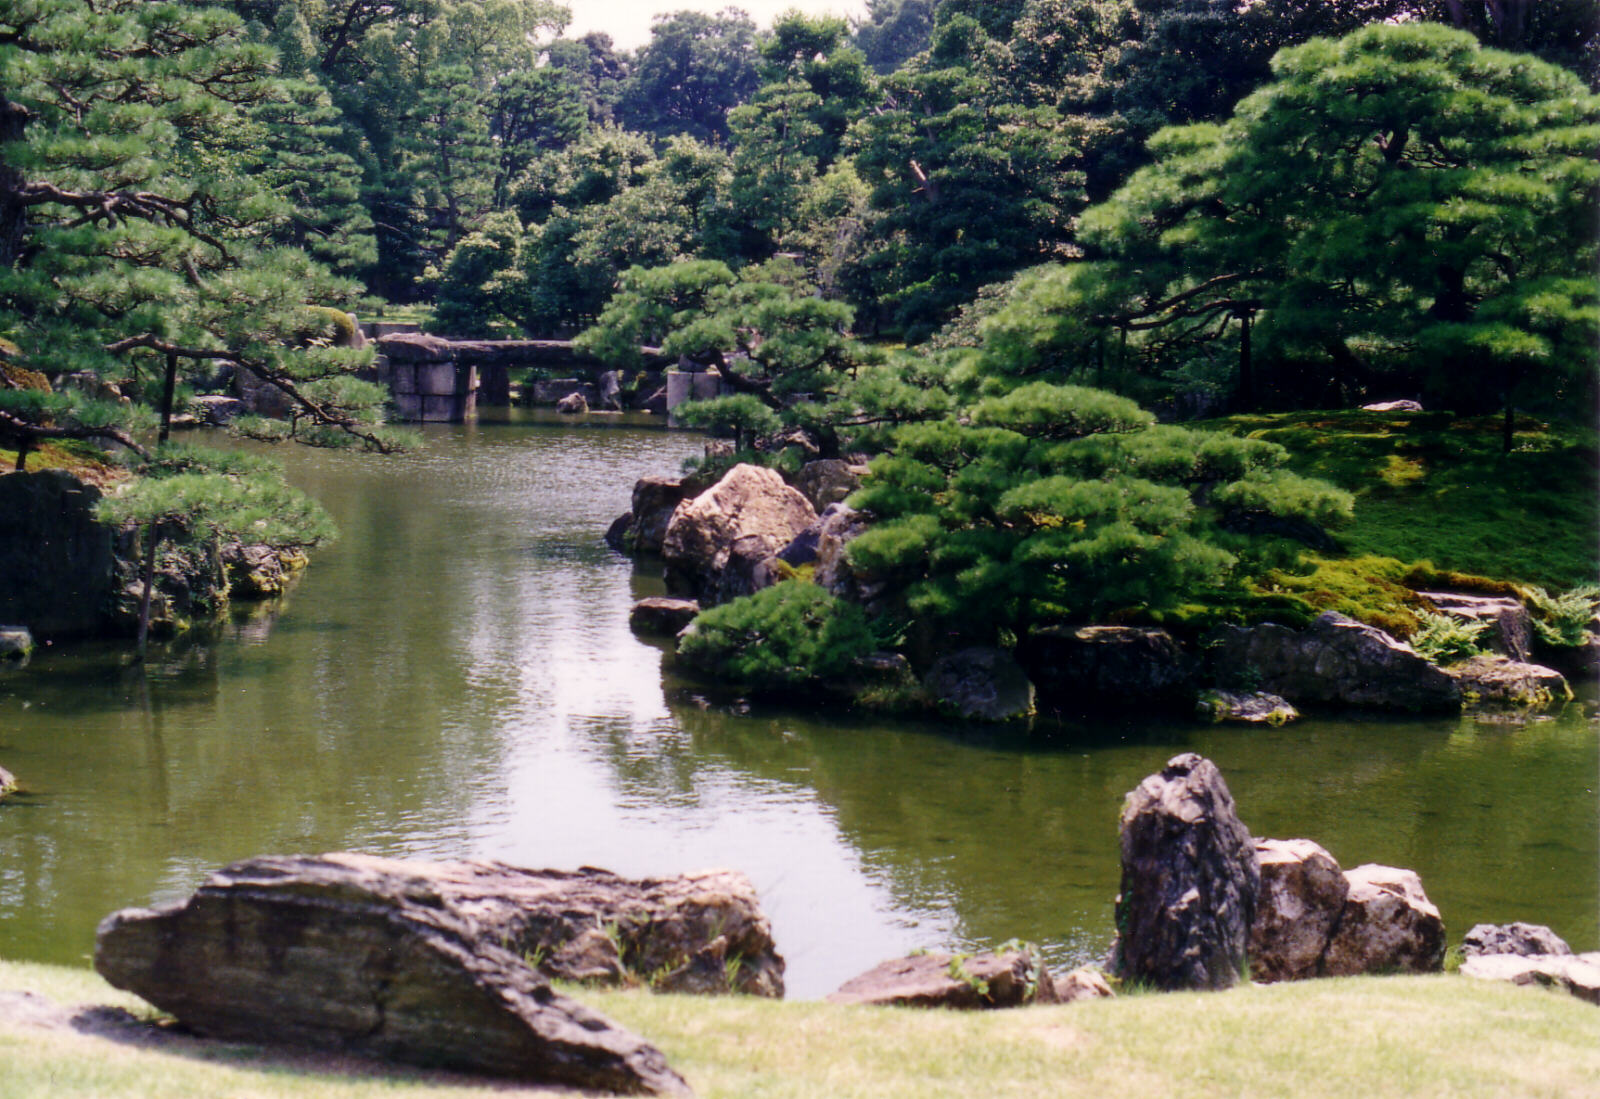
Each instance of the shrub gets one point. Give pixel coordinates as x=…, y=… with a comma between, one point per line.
x=783, y=636
x=1445, y=639
x=1563, y=620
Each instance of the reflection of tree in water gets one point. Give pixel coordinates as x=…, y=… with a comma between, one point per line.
x=1017, y=834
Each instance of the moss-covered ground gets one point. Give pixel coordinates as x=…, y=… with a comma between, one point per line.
x=1372, y=1037
x=1437, y=488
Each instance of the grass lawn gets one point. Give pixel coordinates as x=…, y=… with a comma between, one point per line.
x=1433, y=487
x=1395, y=1036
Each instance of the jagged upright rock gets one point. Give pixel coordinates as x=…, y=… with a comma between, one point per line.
x=715, y=542
x=654, y=501
x=409, y=961
x=1190, y=880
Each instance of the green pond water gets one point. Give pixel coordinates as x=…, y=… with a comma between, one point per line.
x=455, y=677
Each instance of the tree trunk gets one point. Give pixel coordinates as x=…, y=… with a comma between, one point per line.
x=169, y=388
x=13, y=215
x=24, y=448
x=1247, y=396
x=149, y=585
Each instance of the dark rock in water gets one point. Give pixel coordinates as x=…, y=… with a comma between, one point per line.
x=1491, y=679
x=659, y=617
x=1011, y=979
x=1522, y=939
x=1190, y=881
x=1301, y=900
x=717, y=543
x=1388, y=925
x=1101, y=667
x=1336, y=660
x=980, y=684
x=654, y=501
x=372, y=956
x=1510, y=629
x=15, y=643
x=56, y=560
x=619, y=535
x=259, y=572
x=611, y=390
x=1245, y=707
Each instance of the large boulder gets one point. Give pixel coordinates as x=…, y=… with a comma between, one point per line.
x=1388, y=925
x=256, y=571
x=371, y=956
x=1337, y=660
x=969, y=981
x=1494, y=680
x=56, y=560
x=716, y=543
x=1107, y=667
x=1302, y=898
x=980, y=684
x=1526, y=940
x=1190, y=881
x=1509, y=626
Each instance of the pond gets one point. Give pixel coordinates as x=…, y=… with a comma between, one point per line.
x=456, y=678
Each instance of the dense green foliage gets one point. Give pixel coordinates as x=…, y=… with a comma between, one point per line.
x=785, y=636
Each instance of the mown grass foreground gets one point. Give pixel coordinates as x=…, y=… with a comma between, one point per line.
x=1393, y=1036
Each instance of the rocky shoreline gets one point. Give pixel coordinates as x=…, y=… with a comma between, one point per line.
x=751, y=528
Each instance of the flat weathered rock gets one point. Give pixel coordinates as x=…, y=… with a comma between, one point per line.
x=1302, y=898
x=387, y=958
x=1526, y=940
x=986, y=980
x=1388, y=925
x=980, y=684
x=1492, y=679
x=662, y=617
x=1246, y=707
x=1084, y=983
x=1510, y=628
x=1190, y=881
x=1336, y=659
x=1577, y=974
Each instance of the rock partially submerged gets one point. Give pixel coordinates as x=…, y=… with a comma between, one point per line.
x=980, y=684
x=16, y=643
x=1098, y=667
x=967, y=981
x=1494, y=680
x=374, y=956
x=1337, y=660
x=1246, y=707
x=661, y=617
x=1190, y=880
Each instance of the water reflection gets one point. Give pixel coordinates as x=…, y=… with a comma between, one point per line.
x=456, y=677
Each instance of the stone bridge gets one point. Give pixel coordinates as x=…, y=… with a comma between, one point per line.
x=438, y=380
